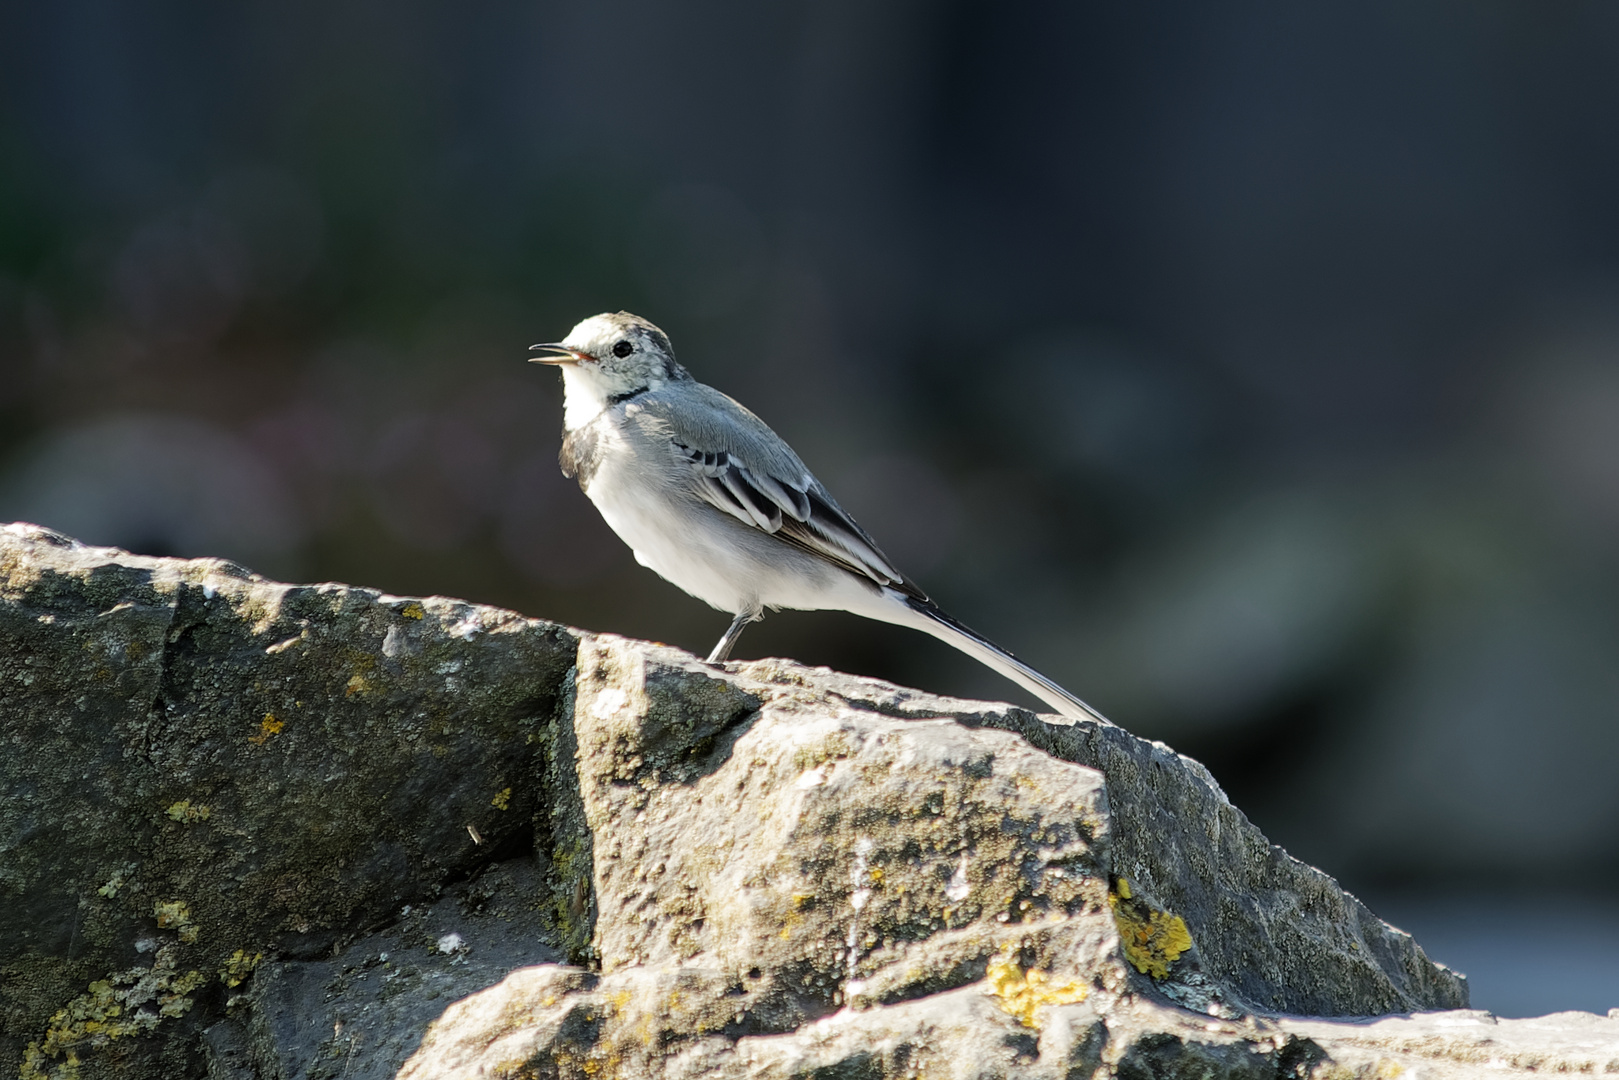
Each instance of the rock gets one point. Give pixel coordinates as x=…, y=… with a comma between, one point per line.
x=271, y=831
x=1465, y=1043
x=799, y=872
x=562, y=1022
x=1277, y=932
x=204, y=769
x=362, y=1012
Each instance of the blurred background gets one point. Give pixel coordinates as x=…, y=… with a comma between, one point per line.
x=1251, y=369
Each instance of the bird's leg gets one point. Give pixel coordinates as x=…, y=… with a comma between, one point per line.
x=722, y=651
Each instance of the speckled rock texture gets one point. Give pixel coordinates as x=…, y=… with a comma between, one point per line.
x=202, y=769
x=1464, y=1044
x=252, y=830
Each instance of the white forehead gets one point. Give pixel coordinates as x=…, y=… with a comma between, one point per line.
x=593, y=329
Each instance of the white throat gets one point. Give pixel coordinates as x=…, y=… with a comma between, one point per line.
x=585, y=394
x=583, y=398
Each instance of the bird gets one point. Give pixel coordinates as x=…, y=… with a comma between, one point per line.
x=711, y=499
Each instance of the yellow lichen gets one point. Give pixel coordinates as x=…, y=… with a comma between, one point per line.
x=171, y=913
x=189, y=812
x=1152, y=939
x=1024, y=993
x=357, y=684
x=267, y=727
x=239, y=967
x=502, y=799
x=412, y=610
x=176, y=915
x=174, y=1001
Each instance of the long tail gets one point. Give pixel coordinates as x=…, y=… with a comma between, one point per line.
x=926, y=616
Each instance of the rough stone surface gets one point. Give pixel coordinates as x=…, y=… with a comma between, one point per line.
x=560, y=1021
x=1465, y=1043
x=361, y=1013
x=1273, y=930
x=202, y=768
x=251, y=830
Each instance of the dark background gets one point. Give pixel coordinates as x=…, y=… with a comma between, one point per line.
x=1250, y=368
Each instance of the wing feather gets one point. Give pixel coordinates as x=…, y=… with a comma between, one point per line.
x=796, y=510
x=765, y=511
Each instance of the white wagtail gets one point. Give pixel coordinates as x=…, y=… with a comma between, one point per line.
x=711, y=499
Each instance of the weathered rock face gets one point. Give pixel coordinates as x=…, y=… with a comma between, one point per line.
x=257, y=830
x=788, y=879
x=1278, y=933
x=819, y=857
x=202, y=768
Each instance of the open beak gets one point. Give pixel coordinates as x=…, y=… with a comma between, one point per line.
x=561, y=355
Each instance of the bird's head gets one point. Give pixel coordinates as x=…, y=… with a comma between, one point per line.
x=609, y=356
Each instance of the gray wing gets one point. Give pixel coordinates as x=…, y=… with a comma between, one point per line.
x=740, y=466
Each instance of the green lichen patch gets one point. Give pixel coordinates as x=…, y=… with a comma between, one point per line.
x=116, y=880
x=187, y=812
x=124, y=1004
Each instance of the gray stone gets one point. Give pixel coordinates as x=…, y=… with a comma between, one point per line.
x=806, y=874
x=251, y=829
x=640, y=1021
x=551, y=1020
x=203, y=769
x=840, y=856
x=226, y=1050
x=1464, y=1044
x=361, y=1013
x=1277, y=932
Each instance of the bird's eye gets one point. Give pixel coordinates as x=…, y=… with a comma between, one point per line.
x=623, y=349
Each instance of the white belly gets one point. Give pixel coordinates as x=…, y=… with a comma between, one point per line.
x=725, y=564
x=645, y=495
x=667, y=537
